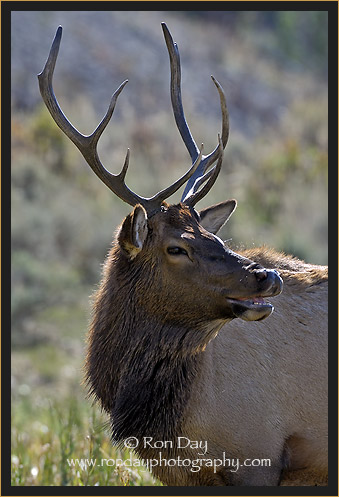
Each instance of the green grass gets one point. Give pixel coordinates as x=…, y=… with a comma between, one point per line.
x=54, y=423
x=66, y=443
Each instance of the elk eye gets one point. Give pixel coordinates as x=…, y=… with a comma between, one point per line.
x=176, y=251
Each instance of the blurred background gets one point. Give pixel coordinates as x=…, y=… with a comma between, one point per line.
x=273, y=68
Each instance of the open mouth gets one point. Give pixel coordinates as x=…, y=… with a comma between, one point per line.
x=251, y=308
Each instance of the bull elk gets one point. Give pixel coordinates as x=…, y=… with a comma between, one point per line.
x=168, y=360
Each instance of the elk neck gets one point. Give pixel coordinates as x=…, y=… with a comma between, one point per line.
x=140, y=366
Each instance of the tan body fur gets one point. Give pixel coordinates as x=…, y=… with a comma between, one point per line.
x=263, y=385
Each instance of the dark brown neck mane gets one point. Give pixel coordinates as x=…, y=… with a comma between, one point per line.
x=139, y=367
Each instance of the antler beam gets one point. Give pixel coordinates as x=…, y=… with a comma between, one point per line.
x=88, y=144
x=207, y=160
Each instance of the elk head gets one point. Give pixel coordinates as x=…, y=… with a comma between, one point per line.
x=184, y=272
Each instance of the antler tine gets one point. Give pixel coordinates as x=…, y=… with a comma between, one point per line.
x=209, y=178
x=197, y=184
x=88, y=144
x=167, y=192
x=178, y=110
x=179, y=115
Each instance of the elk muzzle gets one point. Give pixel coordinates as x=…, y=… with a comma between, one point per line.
x=256, y=308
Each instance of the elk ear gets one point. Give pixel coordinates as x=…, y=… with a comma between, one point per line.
x=214, y=217
x=133, y=231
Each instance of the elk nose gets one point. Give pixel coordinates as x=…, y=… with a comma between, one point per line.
x=260, y=274
x=277, y=282
x=270, y=278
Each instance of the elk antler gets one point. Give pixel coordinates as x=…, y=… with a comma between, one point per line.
x=194, y=194
x=88, y=144
x=198, y=177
